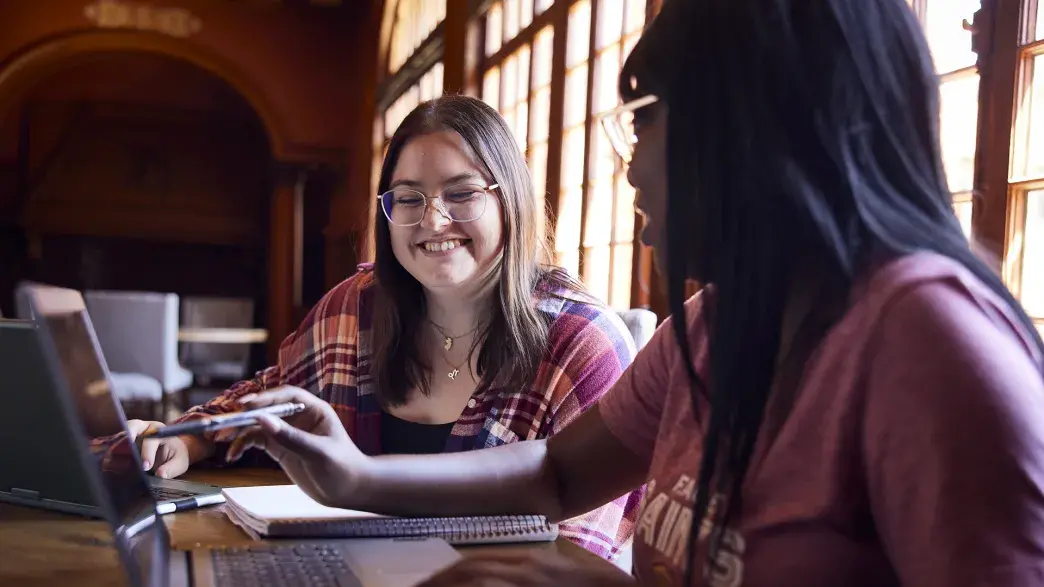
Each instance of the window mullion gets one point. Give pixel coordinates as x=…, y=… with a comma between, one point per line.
x=584, y=183
x=556, y=115
x=997, y=82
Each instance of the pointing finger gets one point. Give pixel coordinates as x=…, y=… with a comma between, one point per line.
x=279, y=395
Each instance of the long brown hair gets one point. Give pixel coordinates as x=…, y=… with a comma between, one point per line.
x=513, y=338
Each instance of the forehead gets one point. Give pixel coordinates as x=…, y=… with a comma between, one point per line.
x=432, y=158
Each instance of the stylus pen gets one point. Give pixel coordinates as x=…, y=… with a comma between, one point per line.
x=189, y=503
x=233, y=420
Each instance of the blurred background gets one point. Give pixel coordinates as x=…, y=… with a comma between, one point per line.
x=204, y=170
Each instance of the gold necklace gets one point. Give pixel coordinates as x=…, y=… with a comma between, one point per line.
x=448, y=342
x=456, y=370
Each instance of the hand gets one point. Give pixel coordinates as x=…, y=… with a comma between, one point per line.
x=530, y=569
x=169, y=457
x=311, y=446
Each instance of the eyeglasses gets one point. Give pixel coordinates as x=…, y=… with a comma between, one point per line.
x=459, y=203
x=619, y=125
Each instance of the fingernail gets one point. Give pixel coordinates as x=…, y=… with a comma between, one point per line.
x=146, y=465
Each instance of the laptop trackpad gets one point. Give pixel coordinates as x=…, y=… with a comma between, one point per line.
x=398, y=562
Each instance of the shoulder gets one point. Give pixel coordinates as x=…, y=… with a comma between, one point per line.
x=344, y=297
x=926, y=295
x=663, y=350
x=581, y=324
x=340, y=307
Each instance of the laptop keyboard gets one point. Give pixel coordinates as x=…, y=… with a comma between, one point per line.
x=298, y=565
x=165, y=494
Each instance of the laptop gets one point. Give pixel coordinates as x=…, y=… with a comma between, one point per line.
x=116, y=481
x=61, y=313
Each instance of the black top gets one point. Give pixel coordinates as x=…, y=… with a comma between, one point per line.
x=402, y=437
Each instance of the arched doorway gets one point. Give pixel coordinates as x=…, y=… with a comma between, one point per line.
x=289, y=162
x=140, y=171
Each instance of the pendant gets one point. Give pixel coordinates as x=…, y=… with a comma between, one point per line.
x=448, y=344
x=453, y=374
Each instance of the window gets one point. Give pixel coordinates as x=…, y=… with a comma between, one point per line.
x=549, y=67
x=415, y=20
x=951, y=47
x=429, y=87
x=1025, y=247
x=412, y=71
x=569, y=216
x=609, y=211
x=518, y=83
x=593, y=205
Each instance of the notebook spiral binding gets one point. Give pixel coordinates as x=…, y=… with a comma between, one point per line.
x=461, y=530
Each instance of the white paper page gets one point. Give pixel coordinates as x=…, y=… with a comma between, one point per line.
x=287, y=502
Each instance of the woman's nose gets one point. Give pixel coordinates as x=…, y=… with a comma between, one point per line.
x=435, y=215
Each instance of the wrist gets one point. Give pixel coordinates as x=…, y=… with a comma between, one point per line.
x=197, y=448
x=363, y=484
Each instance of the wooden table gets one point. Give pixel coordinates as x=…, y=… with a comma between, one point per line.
x=39, y=548
x=223, y=335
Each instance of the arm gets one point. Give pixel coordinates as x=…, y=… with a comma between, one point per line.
x=303, y=354
x=301, y=360
x=602, y=455
x=572, y=473
x=576, y=471
x=954, y=443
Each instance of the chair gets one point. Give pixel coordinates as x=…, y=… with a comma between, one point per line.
x=641, y=323
x=216, y=361
x=138, y=332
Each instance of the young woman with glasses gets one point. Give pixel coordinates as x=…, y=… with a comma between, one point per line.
x=461, y=335
x=853, y=399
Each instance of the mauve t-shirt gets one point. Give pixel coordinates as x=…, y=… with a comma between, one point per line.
x=913, y=453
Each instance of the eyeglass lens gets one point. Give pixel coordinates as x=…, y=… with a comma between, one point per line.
x=621, y=132
x=461, y=203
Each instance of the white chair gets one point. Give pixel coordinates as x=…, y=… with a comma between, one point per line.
x=641, y=323
x=223, y=362
x=138, y=332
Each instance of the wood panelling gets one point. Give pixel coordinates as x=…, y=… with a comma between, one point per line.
x=92, y=262
x=142, y=172
x=351, y=196
x=293, y=65
x=194, y=166
x=286, y=211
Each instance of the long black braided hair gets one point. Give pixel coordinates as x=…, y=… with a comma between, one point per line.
x=797, y=129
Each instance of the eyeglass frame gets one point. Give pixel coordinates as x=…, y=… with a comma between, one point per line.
x=614, y=131
x=440, y=207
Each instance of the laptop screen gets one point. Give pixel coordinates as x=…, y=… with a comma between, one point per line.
x=84, y=373
x=140, y=532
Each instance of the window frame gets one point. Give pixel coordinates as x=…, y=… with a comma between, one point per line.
x=465, y=62
x=1004, y=30
x=644, y=290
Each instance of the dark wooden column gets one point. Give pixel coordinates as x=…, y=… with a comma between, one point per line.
x=461, y=49
x=996, y=34
x=286, y=217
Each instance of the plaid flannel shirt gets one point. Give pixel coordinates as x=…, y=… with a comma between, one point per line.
x=588, y=349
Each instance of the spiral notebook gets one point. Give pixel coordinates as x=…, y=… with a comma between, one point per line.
x=283, y=511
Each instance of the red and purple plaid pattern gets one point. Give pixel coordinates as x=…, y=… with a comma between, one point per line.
x=588, y=349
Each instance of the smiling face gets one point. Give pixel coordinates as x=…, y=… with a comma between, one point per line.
x=444, y=255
